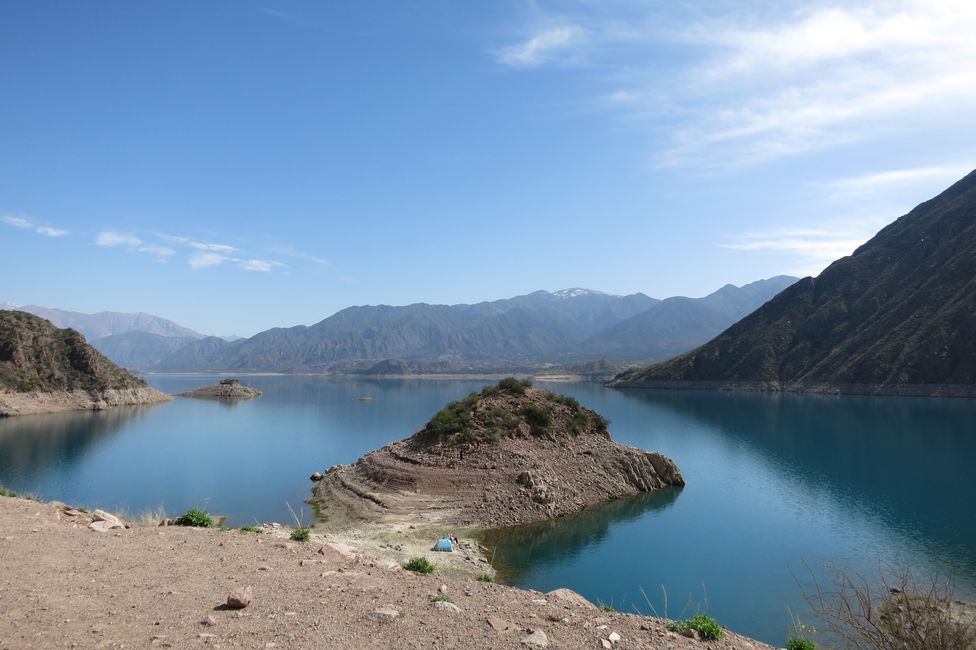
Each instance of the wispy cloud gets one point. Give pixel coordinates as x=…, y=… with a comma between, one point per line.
x=26, y=224
x=291, y=251
x=547, y=45
x=810, y=249
x=111, y=239
x=874, y=182
x=762, y=82
x=203, y=260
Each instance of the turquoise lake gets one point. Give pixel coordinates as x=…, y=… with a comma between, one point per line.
x=778, y=486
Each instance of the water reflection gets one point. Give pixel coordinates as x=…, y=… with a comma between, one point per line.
x=33, y=444
x=520, y=548
x=898, y=459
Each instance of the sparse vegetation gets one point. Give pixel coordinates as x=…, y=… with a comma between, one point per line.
x=249, y=528
x=485, y=577
x=607, y=608
x=443, y=598
x=504, y=409
x=903, y=613
x=195, y=517
x=537, y=417
x=301, y=534
x=705, y=625
x=4, y=492
x=800, y=643
x=419, y=565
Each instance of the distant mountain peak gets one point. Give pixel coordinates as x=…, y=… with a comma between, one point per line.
x=576, y=292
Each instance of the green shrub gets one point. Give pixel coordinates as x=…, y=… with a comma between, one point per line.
x=485, y=577
x=537, y=417
x=608, y=608
x=4, y=492
x=443, y=598
x=419, y=565
x=453, y=418
x=251, y=529
x=301, y=534
x=800, y=643
x=513, y=386
x=706, y=627
x=195, y=517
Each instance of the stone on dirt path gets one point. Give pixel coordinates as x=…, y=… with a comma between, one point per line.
x=240, y=598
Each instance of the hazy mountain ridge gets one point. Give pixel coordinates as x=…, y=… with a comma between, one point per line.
x=676, y=325
x=896, y=314
x=110, y=323
x=537, y=327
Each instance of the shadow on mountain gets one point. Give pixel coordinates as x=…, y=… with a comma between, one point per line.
x=35, y=443
x=516, y=549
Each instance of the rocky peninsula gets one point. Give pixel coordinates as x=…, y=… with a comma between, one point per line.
x=511, y=454
x=44, y=369
x=225, y=389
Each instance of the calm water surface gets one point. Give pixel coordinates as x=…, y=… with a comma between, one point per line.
x=778, y=485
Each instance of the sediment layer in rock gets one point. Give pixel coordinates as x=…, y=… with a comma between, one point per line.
x=488, y=476
x=32, y=403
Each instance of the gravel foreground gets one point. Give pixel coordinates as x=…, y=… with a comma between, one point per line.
x=63, y=585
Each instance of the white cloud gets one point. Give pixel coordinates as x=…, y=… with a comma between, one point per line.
x=542, y=47
x=809, y=249
x=217, y=248
x=938, y=175
x=131, y=242
x=761, y=82
x=111, y=239
x=162, y=253
x=203, y=260
x=264, y=266
x=26, y=224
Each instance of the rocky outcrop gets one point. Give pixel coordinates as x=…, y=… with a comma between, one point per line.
x=33, y=403
x=509, y=455
x=45, y=369
x=225, y=389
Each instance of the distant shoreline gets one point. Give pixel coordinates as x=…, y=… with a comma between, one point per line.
x=876, y=390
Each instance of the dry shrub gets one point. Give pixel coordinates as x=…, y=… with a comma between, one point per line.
x=899, y=613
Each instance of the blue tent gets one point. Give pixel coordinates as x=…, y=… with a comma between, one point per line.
x=444, y=545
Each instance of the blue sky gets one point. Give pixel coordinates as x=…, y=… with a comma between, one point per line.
x=240, y=165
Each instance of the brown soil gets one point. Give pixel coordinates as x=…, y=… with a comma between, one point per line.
x=64, y=585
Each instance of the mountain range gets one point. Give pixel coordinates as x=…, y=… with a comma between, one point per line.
x=895, y=317
x=540, y=327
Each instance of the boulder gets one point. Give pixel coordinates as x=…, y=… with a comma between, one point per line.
x=570, y=597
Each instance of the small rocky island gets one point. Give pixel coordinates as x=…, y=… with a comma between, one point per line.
x=511, y=454
x=225, y=389
x=44, y=369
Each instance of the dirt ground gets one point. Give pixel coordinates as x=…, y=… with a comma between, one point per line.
x=63, y=585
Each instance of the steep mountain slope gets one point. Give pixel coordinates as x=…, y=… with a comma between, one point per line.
x=43, y=368
x=897, y=316
x=676, y=325
x=108, y=323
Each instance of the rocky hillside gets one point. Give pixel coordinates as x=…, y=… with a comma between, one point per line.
x=896, y=317
x=509, y=454
x=38, y=358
